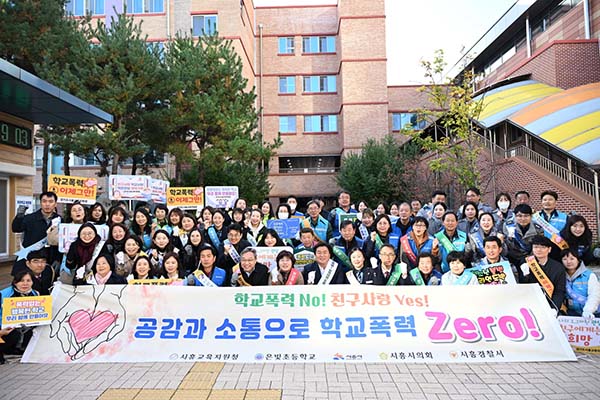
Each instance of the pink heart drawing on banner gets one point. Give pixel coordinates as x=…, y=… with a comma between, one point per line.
x=87, y=326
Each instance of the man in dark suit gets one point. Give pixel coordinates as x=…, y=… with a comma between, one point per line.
x=324, y=267
x=43, y=274
x=251, y=273
x=231, y=249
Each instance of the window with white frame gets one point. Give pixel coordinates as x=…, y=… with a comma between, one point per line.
x=204, y=25
x=286, y=45
x=407, y=121
x=145, y=6
x=320, y=123
x=80, y=8
x=287, y=84
x=38, y=156
x=287, y=124
x=318, y=44
x=319, y=84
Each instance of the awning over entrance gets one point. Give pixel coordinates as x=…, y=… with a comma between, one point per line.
x=28, y=97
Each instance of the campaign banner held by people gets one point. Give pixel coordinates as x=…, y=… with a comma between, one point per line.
x=268, y=255
x=303, y=258
x=26, y=311
x=583, y=334
x=221, y=196
x=345, y=217
x=67, y=234
x=285, y=228
x=158, y=188
x=70, y=189
x=494, y=274
x=129, y=187
x=296, y=324
x=186, y=198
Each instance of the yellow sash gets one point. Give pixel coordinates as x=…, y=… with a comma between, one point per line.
x=540, y=275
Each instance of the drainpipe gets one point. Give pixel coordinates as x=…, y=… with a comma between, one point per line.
x=528, y=36
x=586, y=19
x=260, y=88
x=168, y=19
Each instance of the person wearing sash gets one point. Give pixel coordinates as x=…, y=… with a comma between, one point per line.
x=458, y=274
x=207, y=274
x=415, y=207
x=285, y=273
x=381, y=236
x=117, y=235
x=438, y=196
x=251, y=272
x=388, y=273
x=292, y=201
x=82, y=253
x=161, y=245
x=362, y=273
x=141, y=226
x=42, y=274
x=125, y=259
x=172, y=269
x=174, y=217
x=142, y=269
x=342, y=244
x=102, y=273
x=97, y=214
x=469, y=221
x=519, y=233
x=205, y=221
x=190, y=256
x=450, y=238
x=552, y=221
x=343, y=207
x=366, y=224
x=256, y=229
x=424, y=274
x=316, y=222
x=34, y=228
x=435, y=221
x=492, y=246
x=403, y=224
x=188, y=224
x=583, y=288
x=229, y=252
x=416, y=242
x=578, y=236
x=118, y=215
x=266, y=208
x=503, y=213
x=160, y=219
x=271, y=239
x=15, y=340
x=482, y=230
x=324, y=271
x=474, y=195
x=548, y=273
x=217, y=232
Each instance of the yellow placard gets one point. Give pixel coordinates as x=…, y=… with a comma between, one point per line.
x=70, y=189
x=185, y=197
x=28, y=311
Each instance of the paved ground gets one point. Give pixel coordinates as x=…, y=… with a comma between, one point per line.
x=218, y=381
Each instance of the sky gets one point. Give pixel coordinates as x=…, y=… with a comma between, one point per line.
x=416, y=29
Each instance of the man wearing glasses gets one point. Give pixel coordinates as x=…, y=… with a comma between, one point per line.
x=519, y=233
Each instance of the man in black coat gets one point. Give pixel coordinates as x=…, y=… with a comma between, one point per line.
x=43, y=274
x=34, y=227
x=234, y=244
x=313, y=272
x=251, y=273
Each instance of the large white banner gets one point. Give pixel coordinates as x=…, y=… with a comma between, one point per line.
x=143, y=323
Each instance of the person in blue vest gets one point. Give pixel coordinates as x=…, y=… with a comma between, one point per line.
x=404, y=223
x=319, y=225
x=450, y=238
x=16, y=339
x=344, y=243
x=293, y=203
x=519, y=233
x=417, y=242
x=578, y=235
x=438, y=196
x=557, y=220
x=504, y=211
x=457, y=273
x=424, y=274
x=583, y=288
x=382, y=235
x=476, y=237
x=208, y=273
x=492, y=246
x=344, y=207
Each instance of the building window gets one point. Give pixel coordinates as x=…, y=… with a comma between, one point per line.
x=159, y=47
x=80, y=8
x=87, y=161
x=287, y=124
x=320, y=123
x=287, y=84
x=312, y=164
x=318, y=44
x=204, y=25
x=144, y=6
x=319, y=84
x=4, y=207
x=38, y=156
x=407, y=121
x=286, y=45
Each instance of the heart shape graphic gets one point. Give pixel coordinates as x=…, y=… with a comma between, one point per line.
x=86, y=325
x=453, y=354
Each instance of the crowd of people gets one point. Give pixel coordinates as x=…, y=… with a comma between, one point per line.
x=405, y=243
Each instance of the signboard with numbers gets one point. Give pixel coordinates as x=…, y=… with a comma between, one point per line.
x=15, y=136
